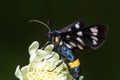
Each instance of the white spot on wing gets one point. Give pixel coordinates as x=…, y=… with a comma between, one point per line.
x=79, y=40
x=73, y=44
x=94, y=29
x=79, y=33
x=77, y=26
x=80, y=47
x=95, y=34
x=94, y=42
x=68, y=46
x=67, y=36
x=95, y=38
x=69, y=29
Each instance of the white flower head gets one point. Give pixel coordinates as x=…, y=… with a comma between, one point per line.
x=40, y=63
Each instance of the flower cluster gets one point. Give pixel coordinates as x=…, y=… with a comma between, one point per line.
x=41, y=63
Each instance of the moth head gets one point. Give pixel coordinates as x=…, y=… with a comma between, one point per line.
x=55, y=38
x=53, y=34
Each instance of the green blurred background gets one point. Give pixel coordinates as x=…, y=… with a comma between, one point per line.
x=16, y=34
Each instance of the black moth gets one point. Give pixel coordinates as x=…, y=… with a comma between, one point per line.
x=74, y=36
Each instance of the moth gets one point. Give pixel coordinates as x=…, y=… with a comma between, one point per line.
x=76, y=36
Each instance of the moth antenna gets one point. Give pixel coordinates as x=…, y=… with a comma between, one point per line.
x=41, y=23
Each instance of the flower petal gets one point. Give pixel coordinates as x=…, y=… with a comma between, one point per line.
x=24, y=70
x=33, y=47
x=49, y=48
x=18, y=73
x=53, y=56
x=81, y=77
x=39, y=55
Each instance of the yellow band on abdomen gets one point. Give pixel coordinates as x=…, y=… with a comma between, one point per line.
x=74, y=63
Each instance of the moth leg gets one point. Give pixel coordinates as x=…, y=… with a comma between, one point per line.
x=48, y=42
x=51, y=56
x=58, y=64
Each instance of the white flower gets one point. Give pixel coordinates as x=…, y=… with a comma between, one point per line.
x=40, y=64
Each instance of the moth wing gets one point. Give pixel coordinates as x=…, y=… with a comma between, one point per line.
x=74, y=26
x=90, y=37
